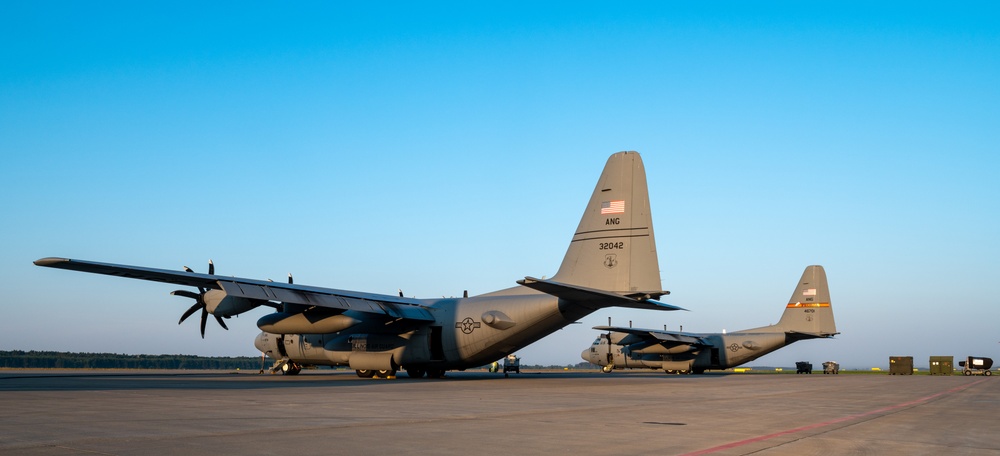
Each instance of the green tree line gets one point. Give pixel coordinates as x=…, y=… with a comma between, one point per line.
x=60, y=360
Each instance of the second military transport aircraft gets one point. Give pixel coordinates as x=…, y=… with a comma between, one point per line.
x=611, y=261
x=807, y=315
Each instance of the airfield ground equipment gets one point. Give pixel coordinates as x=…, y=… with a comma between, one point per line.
x=976, y=365
x=831, y=367
x=900, y=365
x=803, y=367
x=942, y=365
x=511, y=364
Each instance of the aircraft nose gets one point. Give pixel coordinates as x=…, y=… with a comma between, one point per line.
x=586, y=355
x=260, y=343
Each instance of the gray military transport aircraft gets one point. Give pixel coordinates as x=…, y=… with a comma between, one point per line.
x=807, y=315
x=611, y=261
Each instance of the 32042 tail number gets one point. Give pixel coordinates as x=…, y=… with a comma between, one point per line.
x=611, y=246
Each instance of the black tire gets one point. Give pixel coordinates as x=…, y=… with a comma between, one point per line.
x=365, y=373
x=415, y=373
x=435, y=373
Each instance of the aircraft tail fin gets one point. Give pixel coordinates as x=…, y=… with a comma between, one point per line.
x=613, y=248
x=808, y=312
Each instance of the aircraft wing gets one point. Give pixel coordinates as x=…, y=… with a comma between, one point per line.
x=393, y=306
x=654, y=336
x=599, y=298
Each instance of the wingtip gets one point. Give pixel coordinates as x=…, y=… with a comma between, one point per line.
x=50, y=261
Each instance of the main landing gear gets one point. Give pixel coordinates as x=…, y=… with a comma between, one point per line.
x=369, y=373
x=411, y=372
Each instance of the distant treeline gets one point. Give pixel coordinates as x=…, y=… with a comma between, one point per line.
x=60, y=360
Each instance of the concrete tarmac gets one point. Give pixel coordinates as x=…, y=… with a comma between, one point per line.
x=335, y=412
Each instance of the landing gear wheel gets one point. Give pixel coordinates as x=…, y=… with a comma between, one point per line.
x=415, y=373
x=365, y=373
x=435, y=373
x=385, y=373
x=607, y=369
x=290, y=369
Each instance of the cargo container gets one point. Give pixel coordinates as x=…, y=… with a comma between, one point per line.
x=900, y=365
x=942, y=365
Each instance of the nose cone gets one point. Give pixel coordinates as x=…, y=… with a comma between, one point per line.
x=586, y=355
x=261, y=342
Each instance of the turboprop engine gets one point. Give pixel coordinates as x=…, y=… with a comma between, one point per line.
x=214, y=302
x=218, y=303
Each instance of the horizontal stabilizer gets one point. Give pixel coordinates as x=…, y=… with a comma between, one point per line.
x=799, y=335
x=599, y=298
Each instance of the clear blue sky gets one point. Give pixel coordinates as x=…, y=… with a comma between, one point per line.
x=450, y=147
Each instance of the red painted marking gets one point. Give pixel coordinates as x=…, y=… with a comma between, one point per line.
x=828, y=423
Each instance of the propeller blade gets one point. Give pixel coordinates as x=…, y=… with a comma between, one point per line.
x=186, y=294
x=221, y=323
x=190, y=311
x=204, y=319
x=289, y=277
x=211, y=267
x=187, y=269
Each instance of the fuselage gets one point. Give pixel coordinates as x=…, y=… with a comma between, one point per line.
x=726, y=351
x=466, y=332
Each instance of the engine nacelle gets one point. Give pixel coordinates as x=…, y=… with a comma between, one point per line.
x=658, y=349
x=217, y=302
x=315, y=321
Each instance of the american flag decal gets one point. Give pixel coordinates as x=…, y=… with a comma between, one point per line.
x=613, y=207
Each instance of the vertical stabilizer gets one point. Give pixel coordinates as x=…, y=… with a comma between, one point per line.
x=808, y=310
x=613, y=248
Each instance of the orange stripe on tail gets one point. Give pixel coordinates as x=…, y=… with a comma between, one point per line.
x=793, y=305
